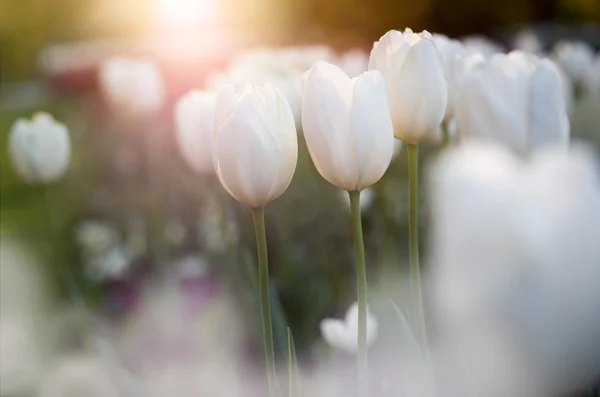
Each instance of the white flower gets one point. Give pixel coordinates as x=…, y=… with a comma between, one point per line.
x=456, y=66
x=195, y=128
x=415, y=82
x=343, y=334
x=112, y=264
x=255, y=145
x=516, y=99
x=516, y=254
x=480, y=45
x=39, y=149
x=527, y=41
x=575, y=58
x=133, y=87
x=347, y=126
x=354, y=62
x=96, y=236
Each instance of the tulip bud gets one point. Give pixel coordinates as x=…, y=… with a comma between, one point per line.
x=347, y=126
x=132, y=86
x=39, y=149
x=516, y=99
x=255, y=145
x=195, y=129
x=415, y=83
x=343, y=334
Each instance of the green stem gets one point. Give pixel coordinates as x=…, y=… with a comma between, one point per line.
x=445, y=135
x=361, y=284
x=413, y=228
x=263, y=287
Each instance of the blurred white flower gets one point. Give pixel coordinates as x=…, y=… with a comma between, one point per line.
x=39, y=149
x=195, y=128
x=79, y=376
x=528, y=41
x=593, y=82
x=175, y=232
x=343, y=334
x=480, y=45
x=255, y=145
x=347, y=126
x=516, y=99
x=281, y=66
x=516, y=254
x=113, y=264
x=133, y=87
x=575, y=58
x=415, y=82
x=96, y=237
x=354, y=62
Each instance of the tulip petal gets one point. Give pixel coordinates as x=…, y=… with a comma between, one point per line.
x=325, y=119
x=546, y=98
x=246, y=153
x=418, y=103
x=371, y=128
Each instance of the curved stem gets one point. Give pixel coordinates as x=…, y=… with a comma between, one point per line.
x=413, y=226
x=263, y=286
x=361, y=284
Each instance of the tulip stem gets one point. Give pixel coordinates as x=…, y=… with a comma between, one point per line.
x=263, y=287
x=413, y=230
x=445, y=135
x=361, y=284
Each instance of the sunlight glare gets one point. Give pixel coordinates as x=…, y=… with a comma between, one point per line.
x=177, y=13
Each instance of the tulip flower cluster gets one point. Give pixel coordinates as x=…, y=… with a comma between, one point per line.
x=514, y=207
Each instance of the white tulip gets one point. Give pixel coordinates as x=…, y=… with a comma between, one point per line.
x=575, y=58
x=133, y=87
x=354, y=62
x=195, y=129
x=528, y=41
x=39, y=149
x=255, y=145
x=347, y=126
x=516, y=99
x=480, y=45
x=343, y=334
x=415, y=82
x=593, y=83
x=516, y=254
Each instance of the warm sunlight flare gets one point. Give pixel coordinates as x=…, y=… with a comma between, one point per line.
x=179, y=13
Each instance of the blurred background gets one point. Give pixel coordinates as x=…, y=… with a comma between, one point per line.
x=97, y=247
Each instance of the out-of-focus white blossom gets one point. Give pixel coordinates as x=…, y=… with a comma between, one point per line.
x=516, y=99
x=347, y=125
x=343, y=334
x=195, y=128
x=217, y=230
x=415, y=81
x=575, y=58
x=133, y=87
x=255, y=146
x=281, y=66
x=96, y=236
x=516, y=254
x=113, y=263
x=39, y=149
x=528, y=41
x=354, y=62
x=593, y=82
x=481, y=45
